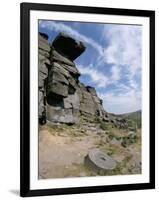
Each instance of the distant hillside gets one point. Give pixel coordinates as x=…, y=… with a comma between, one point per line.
x=135, y=116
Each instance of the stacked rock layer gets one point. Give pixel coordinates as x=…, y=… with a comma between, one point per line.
x=62, y=97
x=43, y=66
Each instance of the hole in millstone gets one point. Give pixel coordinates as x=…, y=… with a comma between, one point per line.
x=102, y=158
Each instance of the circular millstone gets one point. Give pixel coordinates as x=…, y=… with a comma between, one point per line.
x=99, y=161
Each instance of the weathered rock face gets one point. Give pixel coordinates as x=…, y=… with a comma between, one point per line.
x=66, y=97
x=44, y=63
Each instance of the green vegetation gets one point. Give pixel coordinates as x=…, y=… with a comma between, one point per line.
x=104, y=126
x=133, y=117
x=128, y=140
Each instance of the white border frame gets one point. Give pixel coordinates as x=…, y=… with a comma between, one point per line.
x=86, y=181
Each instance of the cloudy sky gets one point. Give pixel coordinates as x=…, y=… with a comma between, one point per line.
x=111, y=62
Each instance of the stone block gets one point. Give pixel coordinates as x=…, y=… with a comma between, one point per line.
x=55, y=56
x=56, y=76
x=68, y=46
x=57, y=88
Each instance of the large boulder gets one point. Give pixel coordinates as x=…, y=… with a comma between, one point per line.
x=68, y=46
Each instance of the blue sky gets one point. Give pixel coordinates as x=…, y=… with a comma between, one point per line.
x=111, y=62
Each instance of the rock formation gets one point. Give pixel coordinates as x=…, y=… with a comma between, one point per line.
x=62, y=97
x=43, y=66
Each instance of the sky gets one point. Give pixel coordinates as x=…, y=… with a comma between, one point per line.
x=111, y=62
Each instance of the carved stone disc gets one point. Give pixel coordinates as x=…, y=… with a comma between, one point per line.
x=98, y=161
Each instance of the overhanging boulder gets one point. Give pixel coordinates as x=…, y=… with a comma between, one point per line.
x=68, y=46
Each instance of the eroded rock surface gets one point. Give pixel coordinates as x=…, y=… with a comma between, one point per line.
x=66, y=98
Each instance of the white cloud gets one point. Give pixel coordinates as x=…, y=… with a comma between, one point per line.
x=121, y=103
x=115, y=70
x=99, y=78
x=58, y=26
x=124, y=47
x=124, y=52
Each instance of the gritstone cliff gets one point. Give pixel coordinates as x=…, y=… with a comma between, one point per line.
x=62, y=97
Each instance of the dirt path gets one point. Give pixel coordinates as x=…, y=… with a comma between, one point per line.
x=62, y=150
x=62, y=155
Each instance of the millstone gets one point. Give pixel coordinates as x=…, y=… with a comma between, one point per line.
x=99, y=161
